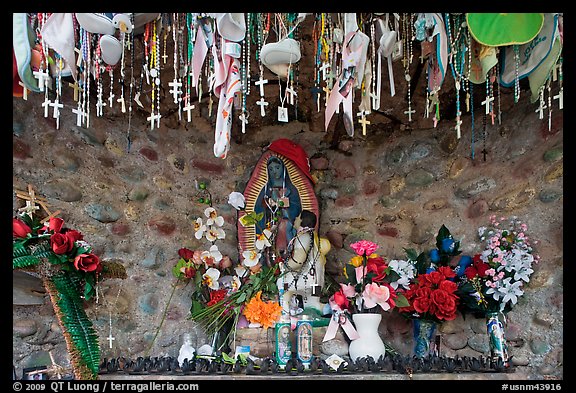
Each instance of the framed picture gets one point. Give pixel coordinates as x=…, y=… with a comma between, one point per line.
x=35, y=373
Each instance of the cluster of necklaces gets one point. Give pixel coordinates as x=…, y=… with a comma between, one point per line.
x=135, y=81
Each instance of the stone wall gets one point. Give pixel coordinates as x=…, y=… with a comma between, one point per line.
x=395, y=186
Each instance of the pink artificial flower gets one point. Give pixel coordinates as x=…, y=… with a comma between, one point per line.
x=375, y=294
x=364, y=247
x=348, y=290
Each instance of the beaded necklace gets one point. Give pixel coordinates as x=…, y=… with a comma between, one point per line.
x=132, y=50
x=407, y=60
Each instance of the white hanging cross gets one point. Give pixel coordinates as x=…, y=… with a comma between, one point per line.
x=457, y=126
x=76, y=88
x=110, y=338
x=292, y=93
x=43, y=78
x=540, y=109
x=560, y=98
x=151, y=119
x=323, y=69
x=111, y=98
x=260, y=83
x=555, y=71
x=56, y=115
x=46, y=104
x=24, y=91
x=79, y=115
x=99, y=104
x=188, y=108
x=487, y=102
x=175, y=89
x=79, y=61
x=123, y=102
x=29, y=208
x=262, y=104
x=363, y=121
x=330, y=79
x=409, y=112
x=244, y=119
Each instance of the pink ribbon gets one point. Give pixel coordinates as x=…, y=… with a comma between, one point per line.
x=198, y=55
x=344, y=92
x=226, y=85
x=339, y=319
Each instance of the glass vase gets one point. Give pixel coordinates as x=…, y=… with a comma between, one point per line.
x=369, y=343
x=423, y=337
x=497, y=340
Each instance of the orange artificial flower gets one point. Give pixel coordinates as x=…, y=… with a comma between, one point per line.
x=263, y=312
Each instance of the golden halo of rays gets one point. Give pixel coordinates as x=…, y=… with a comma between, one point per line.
x=258, y=180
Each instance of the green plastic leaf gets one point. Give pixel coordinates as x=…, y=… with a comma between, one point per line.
x=401, y=301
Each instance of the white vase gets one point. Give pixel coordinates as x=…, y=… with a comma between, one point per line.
x=369, y=342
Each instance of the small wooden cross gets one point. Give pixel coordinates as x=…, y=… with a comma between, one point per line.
x=175, y=84
x=487, y=102
x=76, y=88
x=244, y=119
x=32, y=198
x=363, y=121
x=327, y=91
x=560, y=98
x=262, y=104
x=260, y=83
x=29, y=208
x=188, y=108
x=292, y=93
x=110, y=338
x=24, y=91
x=409, y=112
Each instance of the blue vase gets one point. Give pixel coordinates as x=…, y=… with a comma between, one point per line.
x=423, y=337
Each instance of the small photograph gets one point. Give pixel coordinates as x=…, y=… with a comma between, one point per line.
x=35, y=373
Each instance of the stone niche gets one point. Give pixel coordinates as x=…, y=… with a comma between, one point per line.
x=261, y=342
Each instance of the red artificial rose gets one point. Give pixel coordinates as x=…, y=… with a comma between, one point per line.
x=447, y=272
x=216, y=296
x=421, y=301
x=444, y=304
x=61, y=244
x=477, y=269
x=377, y=266
x=20, y=229
x=88, y=263
x=448, y=286
x=56, y=224
x=185, y=254
x=340, y=299
x=433, y=278
x=74, y=235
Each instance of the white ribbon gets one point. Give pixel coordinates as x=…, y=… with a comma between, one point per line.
x=339, y=319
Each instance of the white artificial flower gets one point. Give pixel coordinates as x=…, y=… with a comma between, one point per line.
x=213, y=217
x=241, y=271
x=405, y=270
x=507, y=290
x=251, y=258
x=262, y=240
x=215, y=233
x=210, y=278
x=211, y=257
x=199, y=228
x=237, y=200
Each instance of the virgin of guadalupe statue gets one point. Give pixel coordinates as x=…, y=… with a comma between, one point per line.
x=280, y=187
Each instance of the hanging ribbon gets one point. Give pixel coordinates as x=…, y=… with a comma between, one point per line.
x=226, y=85
x=201, y=45
x=339, y=318
x=344, y=87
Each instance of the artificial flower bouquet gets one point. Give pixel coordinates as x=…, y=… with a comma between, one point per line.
x=70, y=272
x=370, y=284
x=494, y=279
